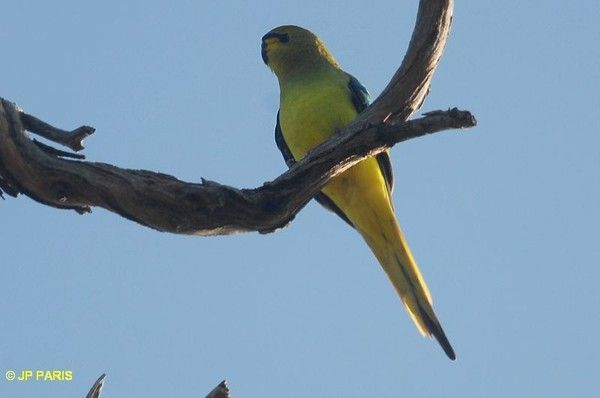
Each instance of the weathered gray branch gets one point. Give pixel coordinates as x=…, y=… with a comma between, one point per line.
x=72, y=139
x=409, y=86
x=165, y=203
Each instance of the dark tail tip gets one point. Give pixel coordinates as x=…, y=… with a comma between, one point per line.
x=440, y=336
x=436, y=329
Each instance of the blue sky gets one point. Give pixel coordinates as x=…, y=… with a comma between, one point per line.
x=503, y=219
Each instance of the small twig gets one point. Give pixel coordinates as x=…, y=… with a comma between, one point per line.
x=57, y=152
x=71, y=139
x=432, y=122
x=96, y=389
x=220, y=391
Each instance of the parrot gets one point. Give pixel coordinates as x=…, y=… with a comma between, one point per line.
x=317, y=98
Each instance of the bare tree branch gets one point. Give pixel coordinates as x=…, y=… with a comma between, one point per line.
x=72, y=139
x=409, y=86
x=165, y=203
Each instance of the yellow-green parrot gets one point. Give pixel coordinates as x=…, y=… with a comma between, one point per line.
x=316, y=98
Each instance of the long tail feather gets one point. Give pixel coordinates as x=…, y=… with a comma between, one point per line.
x=396, y=259
x=366, y=203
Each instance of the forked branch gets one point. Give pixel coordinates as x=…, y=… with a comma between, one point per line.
x=165, y=203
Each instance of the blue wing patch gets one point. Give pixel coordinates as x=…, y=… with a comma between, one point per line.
x=361, y=100
x=360, y=96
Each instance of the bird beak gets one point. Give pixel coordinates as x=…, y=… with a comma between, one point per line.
x=272, y=37
x=263, y=52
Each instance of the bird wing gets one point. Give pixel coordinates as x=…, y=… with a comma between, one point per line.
x=361, y=99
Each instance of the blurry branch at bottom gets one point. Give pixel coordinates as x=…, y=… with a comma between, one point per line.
x=220, y=391
x=96, y=389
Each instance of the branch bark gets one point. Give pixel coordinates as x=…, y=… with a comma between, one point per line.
x=165, y=203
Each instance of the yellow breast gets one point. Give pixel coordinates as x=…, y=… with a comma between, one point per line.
x=312, y=110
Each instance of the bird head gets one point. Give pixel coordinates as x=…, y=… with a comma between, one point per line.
x=290, y=50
